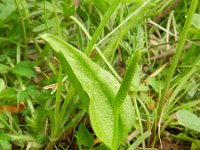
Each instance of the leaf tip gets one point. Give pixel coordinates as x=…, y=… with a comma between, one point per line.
x=44, y=36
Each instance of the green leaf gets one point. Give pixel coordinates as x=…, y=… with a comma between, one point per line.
x=2, y=125
x=188, y=120
x=101, y=147
x=4, y=68
x=4, y=141
x=5, y=145
x=42, y=27
x=139, y=140
x=6, y=8
x=101, y=5
x=25, y=69
x=2, y=85
x=4, y=136
x=84, y=137
x=68, y=8
x=97, y=88
x=196, y=21
x=47, y=5
x=32, y=92
x=8, y=95
x=22, y=95
x=157, y=85
x=183, y=136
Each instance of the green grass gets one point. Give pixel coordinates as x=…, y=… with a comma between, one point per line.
x=99, y=74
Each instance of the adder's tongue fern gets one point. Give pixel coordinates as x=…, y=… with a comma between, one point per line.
x=127, y=81
x=122, y=93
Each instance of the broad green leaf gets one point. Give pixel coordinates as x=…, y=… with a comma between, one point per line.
x=97, y=88
x=188, y=120
x=84, y=137
x=24, y=68
x=4, y=68
x=6, y=8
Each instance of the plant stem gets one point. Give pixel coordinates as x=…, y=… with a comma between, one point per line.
x=139, y=120
x=23, y=28
x=175, y=58
x=57, y=103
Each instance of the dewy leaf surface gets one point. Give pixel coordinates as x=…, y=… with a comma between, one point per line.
x=188, y=119
x=97, y=89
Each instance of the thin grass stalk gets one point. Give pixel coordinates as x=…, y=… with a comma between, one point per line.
x=45, y=17
x=3, y=121
x=26, y=11
x=171, y=109
x=175, y=58
x=56, y=19
x=101, y=26
x=75, y=119
x=69, y=96
x=138, y=141
x=183, y=81
x=26, y=138
x=148, y=124
x=134, y=14
x=189, y=104
x=57, y=103
x=18, y=54
x=139, y=120
x=23, y=28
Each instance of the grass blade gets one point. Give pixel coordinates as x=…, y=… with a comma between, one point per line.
x=139, y=140
x=102, y=24
x=175, y=58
